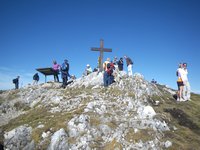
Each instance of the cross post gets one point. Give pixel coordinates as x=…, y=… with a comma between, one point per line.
x=101, y=50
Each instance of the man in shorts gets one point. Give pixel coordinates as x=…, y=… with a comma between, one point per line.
x=180, y=84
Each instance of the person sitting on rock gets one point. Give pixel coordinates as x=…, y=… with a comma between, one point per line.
x=88, y=70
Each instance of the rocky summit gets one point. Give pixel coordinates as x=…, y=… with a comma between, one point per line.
x=131, y=114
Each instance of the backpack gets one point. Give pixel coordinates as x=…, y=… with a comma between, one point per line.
x=108, y=66
x=63, y=67
x=109, y=71
x=14, y=81
x=131, y=62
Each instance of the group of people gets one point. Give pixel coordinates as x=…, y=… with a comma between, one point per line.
x=183, y=93
x=64, y=69
x=116, y=66
x=109, y=67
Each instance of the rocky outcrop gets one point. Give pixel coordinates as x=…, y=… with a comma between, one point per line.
x=113, y=117
x=19, y=138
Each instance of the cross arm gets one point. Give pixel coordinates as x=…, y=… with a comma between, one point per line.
x=101, y=49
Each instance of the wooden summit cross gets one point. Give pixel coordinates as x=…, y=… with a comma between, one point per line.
x=101, y=49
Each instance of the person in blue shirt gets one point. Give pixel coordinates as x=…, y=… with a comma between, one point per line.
x=65, y=72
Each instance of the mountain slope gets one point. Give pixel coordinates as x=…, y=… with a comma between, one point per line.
x=131, y=114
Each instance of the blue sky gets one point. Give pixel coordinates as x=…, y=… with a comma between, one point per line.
x=156, y=34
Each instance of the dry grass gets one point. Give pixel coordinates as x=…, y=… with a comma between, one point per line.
x=143, y=135
x=113, y=145
x=21, y=106
x=185, y=116
x=1, y=100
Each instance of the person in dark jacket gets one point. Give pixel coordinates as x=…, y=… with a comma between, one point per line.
x=16, y=82
x=35, y=79
x=65, y=73
x=120, y=64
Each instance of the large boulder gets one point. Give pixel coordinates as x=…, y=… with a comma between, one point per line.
x=19, y=138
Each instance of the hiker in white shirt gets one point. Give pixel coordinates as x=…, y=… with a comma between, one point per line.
x=186, y=89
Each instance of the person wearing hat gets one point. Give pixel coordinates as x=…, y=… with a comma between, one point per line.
x=88, y=69
x=115, y=60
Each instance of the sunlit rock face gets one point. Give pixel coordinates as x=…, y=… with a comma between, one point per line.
x=85, y=115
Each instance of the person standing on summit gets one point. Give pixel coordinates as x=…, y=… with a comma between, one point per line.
x=179, y=74
x=129, y=63
x=105, y=74
x=120, y=64
x=16, y=82
x=35, y=79
x=186, y=88
x=56, y=68
x=65, y=72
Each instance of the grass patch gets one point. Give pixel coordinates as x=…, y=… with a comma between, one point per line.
x=31, y=118
x=144, y=135
x=113, y=92
x=94, y=121
x=13, y=95
x=113, y=145
x=183, y=119
x=112, y=125
x=131, y=94
x=97, y=144
x=1, y=100
x=183, y=139
x=21, y=106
